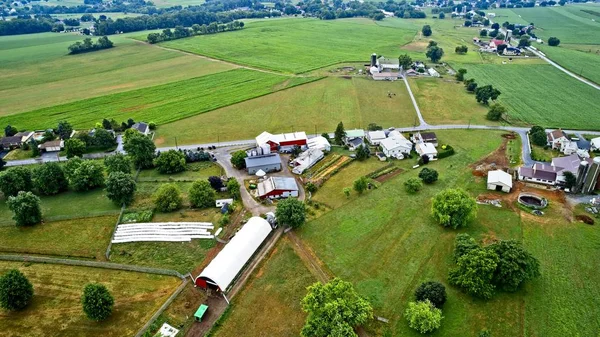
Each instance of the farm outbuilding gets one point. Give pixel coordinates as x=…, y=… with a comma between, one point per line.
x=499, y=180
x=268, y=163
x=278, y=187
x=282, y=141
x=223, y=269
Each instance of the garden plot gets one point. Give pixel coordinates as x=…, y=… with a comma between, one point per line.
x=165, y=232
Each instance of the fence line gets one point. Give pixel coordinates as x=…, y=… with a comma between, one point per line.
x=163, y=307
x=93, y=264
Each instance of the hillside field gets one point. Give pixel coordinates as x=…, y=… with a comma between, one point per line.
x=319, y=105
x=56, y=310
x=37, y=72
x=299, y=45
x=162, y=103
x=541, y=94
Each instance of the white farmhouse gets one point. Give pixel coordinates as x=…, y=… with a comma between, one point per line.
x=396, y=145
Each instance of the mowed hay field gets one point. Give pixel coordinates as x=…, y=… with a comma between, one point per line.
x=541, y=94
x=37, y=72
x=269, y=303
x=299, y=45
x=56, y=310
x=321, y=104
x=82, y=237
x=162, y=103
x=386, y=243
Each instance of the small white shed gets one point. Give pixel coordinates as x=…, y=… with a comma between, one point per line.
x=499, y=180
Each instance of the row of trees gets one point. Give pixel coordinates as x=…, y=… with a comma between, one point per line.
x=87, y=45
x=181, y=32
x=16, y=292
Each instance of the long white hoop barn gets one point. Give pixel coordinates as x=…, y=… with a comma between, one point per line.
x=223, y=269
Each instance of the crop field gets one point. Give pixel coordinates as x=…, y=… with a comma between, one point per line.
x=319, y=105
x=37, y=65
x=582, y=63
x=541, y=94
x=67, y=205
x=277, y=287
x=83, y=237
x=160, y=104
x=55, y=309
x=299, y=45
x=443, y=102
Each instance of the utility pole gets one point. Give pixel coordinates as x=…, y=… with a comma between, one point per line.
x=176, y=146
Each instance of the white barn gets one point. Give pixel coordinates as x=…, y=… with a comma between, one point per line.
x=223, y=269
x=499, y=180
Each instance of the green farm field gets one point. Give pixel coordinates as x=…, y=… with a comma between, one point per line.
x=162, y=103
x=586, y=64
x=387, y=244
x=299, y=45
x=321, y=104
x=541, y=94
x=37, y=66
x=277, y=286
x=56, y=310
x=82, y=237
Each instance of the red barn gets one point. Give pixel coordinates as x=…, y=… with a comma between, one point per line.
x=282, y=141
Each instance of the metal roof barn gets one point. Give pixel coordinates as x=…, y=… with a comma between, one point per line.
x=223, y=269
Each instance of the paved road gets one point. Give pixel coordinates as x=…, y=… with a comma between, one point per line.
x=422, y=122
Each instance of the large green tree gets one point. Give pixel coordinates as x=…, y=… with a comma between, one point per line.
x=168, y=198
x=50, y=179
x=485, y=93
x=474, y=272
x=233, y=187
x=463, y=243
x=453, y=208
x=74, y=148
x=431, y=291
x=88, y=175
x=515, y=265
x=64, y=130
x=334, y=309
x=120, y=188
x=496, y=112
x=15, y=290
x=291, y=212
x=238, y=159
x=570, y=179
x=169, y=162
x=362, y=152
x=405, y=61
x=360, y=185
x=340, y=134
x=26, y=208
x=103, y=139
x=202, y=195
x=434, y=53
x=141, y=149
x=423, y=316
x=117, y=163
x=426, y=30
x=97, y=302
x=413, y=185
x=429, y=176
x=14, y=180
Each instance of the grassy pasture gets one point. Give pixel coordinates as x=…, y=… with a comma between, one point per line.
x=299, y=45
x=321, y=105
x=161, y=103
x=56, y=306
x=386, y=243
x=541, y=94
x=83, y=237
x=444, y=102
x=37, y=66
x=277, y=286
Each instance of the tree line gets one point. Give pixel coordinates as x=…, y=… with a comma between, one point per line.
x=181, y=32
x=87, y=45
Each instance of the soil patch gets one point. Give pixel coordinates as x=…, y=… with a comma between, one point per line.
x=585, y=219
x=388, y=176
x=493, y=161
x=509, y=136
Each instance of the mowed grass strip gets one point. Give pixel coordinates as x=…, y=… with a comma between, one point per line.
x=56, y=310
x=541, y=94
x=160, y=104
x=83, y=237
x=269, y=304
x=319, y=105
x=299, y=45
x=37, y=66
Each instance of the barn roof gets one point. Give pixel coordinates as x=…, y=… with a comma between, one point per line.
x=499, y=177
x=223, y=269
x=258, y=161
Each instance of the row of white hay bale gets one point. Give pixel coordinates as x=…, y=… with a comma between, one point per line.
x=163, y=232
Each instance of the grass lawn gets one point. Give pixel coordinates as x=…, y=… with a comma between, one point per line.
x=541, y=94
x=180, y=256
x=56, y=306
x=161, y=103
x=68, y=205
x=321, y=105
x=299, y=45
x=269, y=304
x=37, y=65
x=194, y=171
x=447, y=102
x=386, y=243
x=84, y=237
x=541, y=154
x=18, y=154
